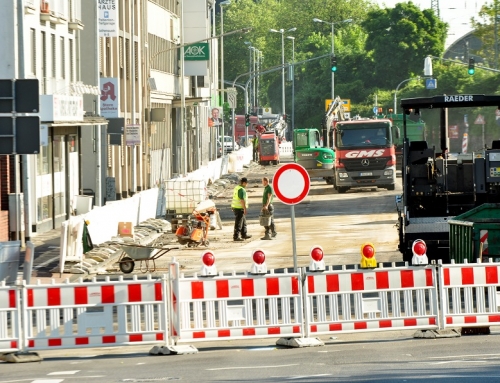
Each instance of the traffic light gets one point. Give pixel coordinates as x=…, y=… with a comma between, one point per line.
x=471, y=70
x=333, y=62
x=247, y=119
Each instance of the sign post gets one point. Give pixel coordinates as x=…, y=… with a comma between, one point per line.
x=291, y=185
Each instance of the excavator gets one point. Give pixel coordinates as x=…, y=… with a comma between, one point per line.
x=335, y=112
x=313, y=149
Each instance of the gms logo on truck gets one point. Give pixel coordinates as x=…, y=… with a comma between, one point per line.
x=365, y=153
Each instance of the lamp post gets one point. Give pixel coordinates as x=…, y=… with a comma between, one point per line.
x=282, y=31
x=255, y=65
x=221, y=4
x=293, y=80
x=249, y=44
x=260, y=58
x=316, y=20
x=397, y=88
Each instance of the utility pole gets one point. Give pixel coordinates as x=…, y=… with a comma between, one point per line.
x=496, y=34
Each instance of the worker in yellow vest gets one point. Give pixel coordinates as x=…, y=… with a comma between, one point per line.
x=239, y=205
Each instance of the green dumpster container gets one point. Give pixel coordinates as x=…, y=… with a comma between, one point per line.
x=476, y=234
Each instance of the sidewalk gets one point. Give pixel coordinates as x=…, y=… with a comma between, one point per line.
x=47, y=244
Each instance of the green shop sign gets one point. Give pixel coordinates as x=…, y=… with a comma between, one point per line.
x=196, y=52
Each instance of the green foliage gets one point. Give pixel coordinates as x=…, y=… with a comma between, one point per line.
x=399, y=39
x=378, y=50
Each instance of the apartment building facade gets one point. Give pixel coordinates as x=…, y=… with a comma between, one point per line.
x=156, y=127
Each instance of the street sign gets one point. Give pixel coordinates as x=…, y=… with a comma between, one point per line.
x=291, y=183
x=231, y=97
x=345, y=103
x=24, y=92
x=430, y=83
x=26, y=139
x=328, y=101
x=375, y=109
x=479, y=120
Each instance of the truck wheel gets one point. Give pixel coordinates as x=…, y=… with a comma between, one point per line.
x=391, y=187
x=342, y=189
x=329, y=180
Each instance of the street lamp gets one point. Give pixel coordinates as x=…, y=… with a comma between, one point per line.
x=249, y=44
x=292, y=68
x=254, y=68
x=397, y=88
x=221, y=4
x=316, y=20
x=282, y=31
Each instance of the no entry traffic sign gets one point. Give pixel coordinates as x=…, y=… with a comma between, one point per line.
x=291, y=183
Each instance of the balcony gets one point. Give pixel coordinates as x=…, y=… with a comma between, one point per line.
x=75, y=15
x=29, y=7
x=46, y=13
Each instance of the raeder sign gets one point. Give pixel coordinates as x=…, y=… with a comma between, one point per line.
x=197, y=52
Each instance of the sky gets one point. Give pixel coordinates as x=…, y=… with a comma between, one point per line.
x=456, y=13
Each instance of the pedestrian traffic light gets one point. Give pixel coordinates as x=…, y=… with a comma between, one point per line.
x=471, y=70
x=247, y=119
x=333, y=62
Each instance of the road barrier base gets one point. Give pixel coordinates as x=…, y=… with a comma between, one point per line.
x=476, y=331
x=21, y=357
x=173, y=350
x=434, y=334
x=299, y=342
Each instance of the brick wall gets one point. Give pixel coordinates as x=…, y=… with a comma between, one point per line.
x=4, y=225
x=4, y=182
x=5, y=178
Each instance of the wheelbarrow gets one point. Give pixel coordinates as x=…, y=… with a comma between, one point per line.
x=133, y=253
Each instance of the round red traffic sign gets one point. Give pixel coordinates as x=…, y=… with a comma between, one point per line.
x=291, y=183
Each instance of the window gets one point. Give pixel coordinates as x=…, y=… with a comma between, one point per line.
x=108, y=57
x=44, y=62
x=44, y=208
x=71, y=63
x=58, y=153
x=33, y=51
x=53, y=44
x=44, y=160
x=63, y=58
x=127, y=58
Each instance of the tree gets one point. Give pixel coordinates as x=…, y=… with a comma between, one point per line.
x=485, y=30
x=399, y=39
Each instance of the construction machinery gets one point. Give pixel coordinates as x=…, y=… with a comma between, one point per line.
x=439, y=185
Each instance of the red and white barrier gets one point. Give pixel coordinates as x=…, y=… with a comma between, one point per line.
x=235, y=307
x=370, y=300
x=469, y=294
x=94, y=314
x=10, y=319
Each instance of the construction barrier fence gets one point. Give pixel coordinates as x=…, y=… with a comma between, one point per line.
x=176, y=309
x=360, y=300
x=235, y=307
x=469, y=294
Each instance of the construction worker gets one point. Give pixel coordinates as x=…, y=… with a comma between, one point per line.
x=255, y=143
x=239, y=205
x=267, y=207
